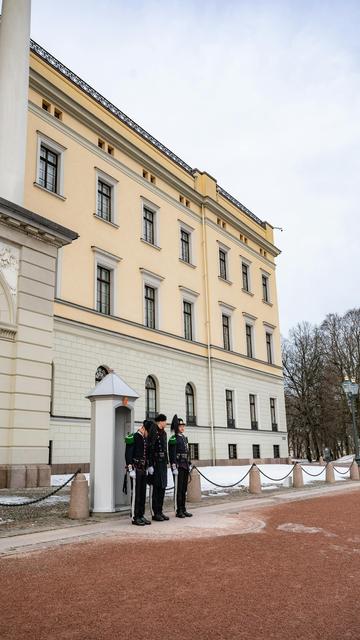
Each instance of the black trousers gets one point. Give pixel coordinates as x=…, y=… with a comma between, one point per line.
x=140, y=493
x=183, y=479
x=158, y=499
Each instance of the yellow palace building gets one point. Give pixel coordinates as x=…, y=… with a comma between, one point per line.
x=115, y=254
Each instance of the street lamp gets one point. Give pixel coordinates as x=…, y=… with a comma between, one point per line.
x=351, y=390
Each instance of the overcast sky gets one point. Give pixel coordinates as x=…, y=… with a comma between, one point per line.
x=265, y=96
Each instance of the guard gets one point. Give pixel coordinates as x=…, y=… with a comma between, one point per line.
x=179, y=454
x=158, y=461
x=137, y=462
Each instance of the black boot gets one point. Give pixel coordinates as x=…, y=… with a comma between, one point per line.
x=158, y=517
x=138, y=521
x=164, y=517
x=180, y=514
x=187, y=514
x=145, y=520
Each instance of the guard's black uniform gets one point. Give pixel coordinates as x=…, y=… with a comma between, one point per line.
x=137, y=456
x=179, y=454
x=158, y=458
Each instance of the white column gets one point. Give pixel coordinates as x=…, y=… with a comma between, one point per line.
x=14, y=83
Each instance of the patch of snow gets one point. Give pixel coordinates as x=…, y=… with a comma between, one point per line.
x=13, y=499
x=301, y=528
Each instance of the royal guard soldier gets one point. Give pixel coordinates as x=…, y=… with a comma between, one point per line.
x=137, y=462
x=179, y=454
x=158, y=462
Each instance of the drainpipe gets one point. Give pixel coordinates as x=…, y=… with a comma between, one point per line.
x=208, y=337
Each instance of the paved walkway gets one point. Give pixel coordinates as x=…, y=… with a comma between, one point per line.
x=225, y=518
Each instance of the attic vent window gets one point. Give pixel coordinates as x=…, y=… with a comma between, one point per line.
x=145, y=174
x=101, y=144
x=58, y=114
x=152, y=179
x=110, y=150
x=187, y=203
x=46, y=105
x=224, y=225
x=181, y=198
x=218, y=221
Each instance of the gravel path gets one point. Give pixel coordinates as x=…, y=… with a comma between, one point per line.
x=298, y=576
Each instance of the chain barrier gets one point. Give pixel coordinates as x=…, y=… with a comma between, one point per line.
x=277, y=479
x=23, y=504
x=224, y=486
x=342, y=473
x=314, y=475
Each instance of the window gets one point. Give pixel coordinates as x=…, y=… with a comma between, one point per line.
x=150, y=398
x=188, y=327
x=229, y=409
x=276, y=448
x=104, y=204
x=190, y=404
x=194, y=450
x=222, y=264
x=252, y=401
x=256, y=451
x=226, y=331
x=150, y=317
x=232, y=451
x=269, y=347
x=265, y=288
x=48, y=174
x=249, y=340
x=185, y=245
x=103, y=290
x=274, y=425
x=245, y=277
x=149, y=226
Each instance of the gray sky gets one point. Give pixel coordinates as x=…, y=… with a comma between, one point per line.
x=265, y=96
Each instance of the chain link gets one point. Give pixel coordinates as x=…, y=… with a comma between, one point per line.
x=224, y=486
x=277, y=479
x=342, y=473
x=314, y=475
x=23, y=504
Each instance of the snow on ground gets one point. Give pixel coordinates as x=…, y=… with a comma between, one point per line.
x=234, y=475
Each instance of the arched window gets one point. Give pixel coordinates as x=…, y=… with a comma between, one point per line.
x=101, y=372
x=190, y=404
x=150, y=398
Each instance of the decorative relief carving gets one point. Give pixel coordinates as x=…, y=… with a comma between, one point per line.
x=9, y=266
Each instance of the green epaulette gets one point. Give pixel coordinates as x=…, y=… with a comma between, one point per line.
x=172, y=440
x=129, y=438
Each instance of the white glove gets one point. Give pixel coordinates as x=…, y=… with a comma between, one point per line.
x=132, y=473
x=190, y=468
x=129, y=467
x=150, y=471
x=174, y=470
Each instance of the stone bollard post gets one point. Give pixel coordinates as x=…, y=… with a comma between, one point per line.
x=254, y=480
x=354, y=471
x=79, y=498
x=330, y=476
x=298, y=478
x=194, y=487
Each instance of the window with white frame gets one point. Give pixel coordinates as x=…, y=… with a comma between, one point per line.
x=150, y=223
x=229, y=399
x=194, y=450
x=106, y=191
x=245, y=268
x=232, y=451
x=50, y=164
x=269, y=347
x=151, y=288
x=253, y=416
x=105, y=281
x=265, y=287
x=276, y=448
x=150, y=398
x=249, y=340
x=190, y=404
x=223, y=268
x=226, y=331
x=256, y=451
x=189, y=298
x=186, y=249
x=274, y=425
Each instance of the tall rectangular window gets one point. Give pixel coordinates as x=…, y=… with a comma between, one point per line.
x=265, y=288
x=188, y=328
x=245, y=277
x=274, y=425
x=249, y=340
x=230, y=409
x=103, y=290
x=194, y=450
x=104, y=201
x=232, y=451
x=48, y=169
x=253, y=419
x=150, y=318
x=222, y=264
x=256, y=451
x=276, y=448
x=226, y=331
x=149, y=225
x=185, y=245
x=269, y=347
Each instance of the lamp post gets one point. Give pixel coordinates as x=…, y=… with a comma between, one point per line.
x=351, y=390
